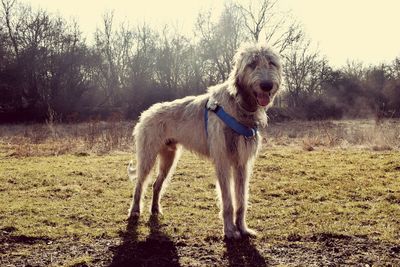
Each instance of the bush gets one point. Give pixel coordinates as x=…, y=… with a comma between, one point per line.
x=277, y=114
x=320, y=109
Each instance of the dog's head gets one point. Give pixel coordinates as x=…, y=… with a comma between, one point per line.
x=256, y=75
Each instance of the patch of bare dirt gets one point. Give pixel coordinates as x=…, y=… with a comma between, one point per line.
x=328, y=249
x=158, y=249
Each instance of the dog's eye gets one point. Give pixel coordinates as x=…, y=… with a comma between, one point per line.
x=253, y=64
x=272, y=64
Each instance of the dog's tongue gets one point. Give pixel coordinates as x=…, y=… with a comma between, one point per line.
x=262, y=100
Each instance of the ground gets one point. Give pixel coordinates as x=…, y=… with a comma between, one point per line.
x=311, y=204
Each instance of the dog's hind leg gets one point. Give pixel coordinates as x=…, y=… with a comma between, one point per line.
x=146, y=157
x=168, y=157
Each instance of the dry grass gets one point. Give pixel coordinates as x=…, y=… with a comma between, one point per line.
x=322, y=208
x=101, y=137
x=363, y=134
x=336, y=205
x=97, y=137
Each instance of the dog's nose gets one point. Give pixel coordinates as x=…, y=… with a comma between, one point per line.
x=266, y=86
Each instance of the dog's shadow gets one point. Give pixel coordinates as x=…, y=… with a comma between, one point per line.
x=157, y=250
x=243, y=253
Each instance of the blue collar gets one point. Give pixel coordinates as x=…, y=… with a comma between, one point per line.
x=228, y=120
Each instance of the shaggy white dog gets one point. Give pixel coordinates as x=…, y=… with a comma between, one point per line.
x=165, y=127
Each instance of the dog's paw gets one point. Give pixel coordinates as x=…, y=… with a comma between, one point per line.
x=247, y=232
x=156, y=211
x=232, y=234
x=133, y=214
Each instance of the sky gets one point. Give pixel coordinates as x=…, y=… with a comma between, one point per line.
x=343, y=30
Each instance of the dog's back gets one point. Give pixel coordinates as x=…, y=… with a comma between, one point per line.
x=178, y=121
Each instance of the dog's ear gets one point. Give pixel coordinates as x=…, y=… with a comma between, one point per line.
x=234, y=82
x=238, y=81
x=234, y=76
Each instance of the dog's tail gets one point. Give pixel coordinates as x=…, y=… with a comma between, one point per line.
x=131, y=171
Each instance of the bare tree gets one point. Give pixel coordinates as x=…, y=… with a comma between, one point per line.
x=7, y=13
x=219, y=41
x=305, y=71
x=354, y=69
x=395, y=69
x=392, y=88
x=107, y=75
x=49, y=64
x=123, y=52
x=257, y=16
x=262, y=18
x=172, y=61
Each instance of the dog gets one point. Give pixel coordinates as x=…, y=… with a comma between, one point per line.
x=195, y=123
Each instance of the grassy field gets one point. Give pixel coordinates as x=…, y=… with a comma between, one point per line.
x=317, y=197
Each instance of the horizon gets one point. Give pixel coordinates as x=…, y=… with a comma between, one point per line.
x=348, y=39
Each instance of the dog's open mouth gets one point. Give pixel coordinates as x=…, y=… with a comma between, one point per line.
x=262, y=99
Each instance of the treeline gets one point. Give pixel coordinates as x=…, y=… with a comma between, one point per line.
x=49, y=71
x=316, y=91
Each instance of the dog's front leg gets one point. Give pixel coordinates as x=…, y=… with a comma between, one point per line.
x=224, y=181
x=241, y=179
